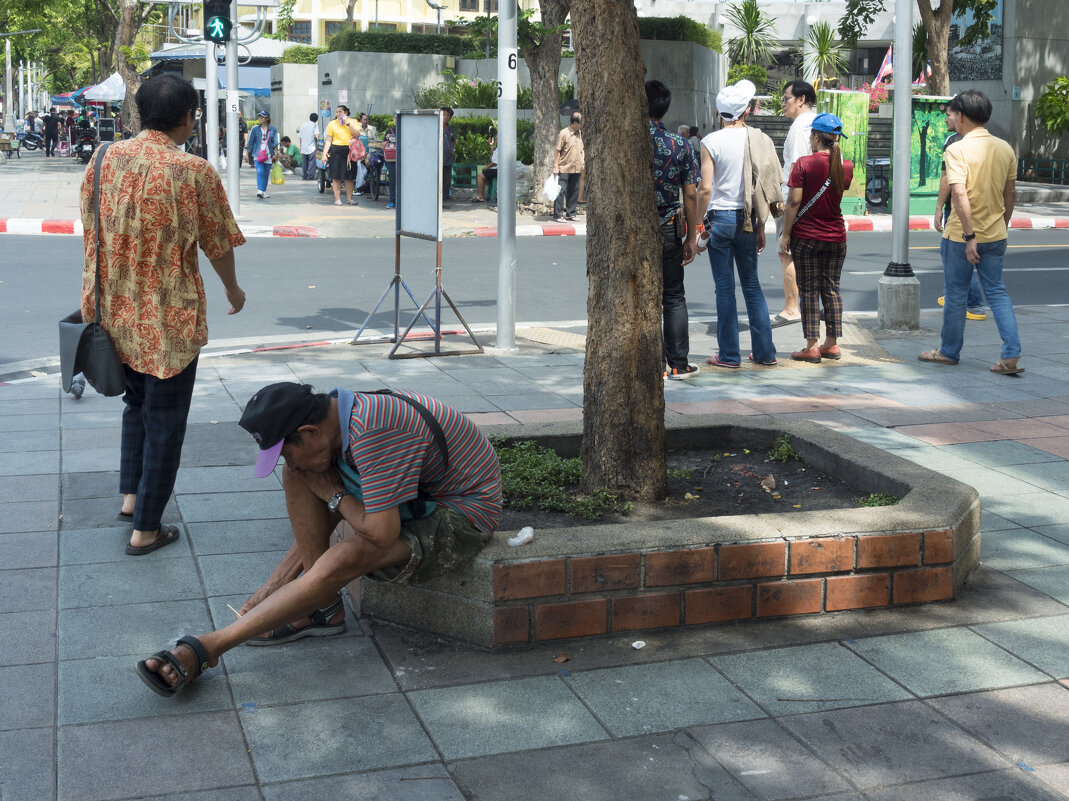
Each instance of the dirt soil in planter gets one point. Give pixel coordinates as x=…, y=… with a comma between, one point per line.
x=720, y=483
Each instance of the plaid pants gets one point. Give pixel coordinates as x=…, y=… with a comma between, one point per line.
x=153, y=429
x=817, y=266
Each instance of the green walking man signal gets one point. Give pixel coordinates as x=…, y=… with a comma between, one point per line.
x=217, y=22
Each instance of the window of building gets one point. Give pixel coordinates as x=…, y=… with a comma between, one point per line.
x=301, y=32
x=332, y=28
x=469, y=5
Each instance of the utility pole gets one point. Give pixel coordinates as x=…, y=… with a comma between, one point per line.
x=898, y=292
x=507, y=74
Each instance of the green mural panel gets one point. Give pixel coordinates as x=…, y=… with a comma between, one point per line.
x=928, y=131
x=853, y=109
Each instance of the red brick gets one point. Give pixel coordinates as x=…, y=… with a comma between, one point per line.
x=611, y=572
x=752, y=561
x=827, y=555
x=680, y=567
x=857, y=592
x=938, y=547
x=926, y=584
x=571, y=619
x=719, y=603
x=645, y=611
x=511, y=624
x=775, y=598
x=529, y=580
x=889, y=550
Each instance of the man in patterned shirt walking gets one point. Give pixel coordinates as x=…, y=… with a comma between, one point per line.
x=415, y=480
x=675, y=169
x=157, y=204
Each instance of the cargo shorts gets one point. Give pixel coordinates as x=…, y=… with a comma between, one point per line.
x=440, y=542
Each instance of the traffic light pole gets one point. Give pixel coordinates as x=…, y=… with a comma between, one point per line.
x=233, y=135
x=211, y=101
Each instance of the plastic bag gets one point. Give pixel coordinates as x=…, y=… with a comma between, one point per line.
x=551, y=188
x=276, y=174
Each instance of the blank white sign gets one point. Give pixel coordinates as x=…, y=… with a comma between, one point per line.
x=419, y=168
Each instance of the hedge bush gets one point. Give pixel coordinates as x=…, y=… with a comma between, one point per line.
x=380, y=42
x=679, y=29
x=301, y=54
x=750, y=72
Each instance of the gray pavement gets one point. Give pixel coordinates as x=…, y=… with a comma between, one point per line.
x=956, y=701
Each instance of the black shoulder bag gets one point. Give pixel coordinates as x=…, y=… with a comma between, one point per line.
x=86, y=347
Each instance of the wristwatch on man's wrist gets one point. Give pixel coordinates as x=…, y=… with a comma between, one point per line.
x=969, y=237
x=335, y=500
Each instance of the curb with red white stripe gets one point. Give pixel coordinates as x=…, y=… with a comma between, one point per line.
x=881, y=222
x=31, y=226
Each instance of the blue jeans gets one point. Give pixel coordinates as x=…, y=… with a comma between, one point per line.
x=390, y=166
x=957, y=272
x=727, y=242
x=975, y=301
x=263, y=174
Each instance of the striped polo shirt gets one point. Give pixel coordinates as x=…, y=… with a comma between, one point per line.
x=396, y=455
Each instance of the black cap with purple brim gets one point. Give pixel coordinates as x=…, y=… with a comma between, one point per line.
x=272, y=414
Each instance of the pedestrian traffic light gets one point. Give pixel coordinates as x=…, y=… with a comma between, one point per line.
x=217, y=22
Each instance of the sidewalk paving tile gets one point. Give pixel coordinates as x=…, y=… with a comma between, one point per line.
x=1061, y=420
x=82, y=418
x=1002, y=453
x=548, y=415
x=320, y=738
x=1032, y=509
x=102, y=511
x=989, y=521
x=892, y=744
x=89, y=460
x=91, y=545
x=1023, y=723
x=481, y=719
x=1004, y=786
x=990, y=482
x=240, y=536
x=135, y=630
x=1052, y=476
x=195, y=480
x=948, y=433
x=935, y=458
x=18, y=441
x=1058, y=446
x=90, y=485
x=767, y=760
x=27, y=549
x=1022, y=549
x=27, y=696
x=788, y=681
x=642, y=699
x=230, y=573
x=945, y=661
x=23, y=423
x=663, y=766
x=1052, y=580
x=429, y=782
x=28, y=765
x=885, y=438
x=92, y=757
x=530, y=400
x=129, y=582
x=1020, y=429
x=1059, y=532
x=27, y=637
x=216, y=506
x=28, y=590
x=330, y=667
x=30, y=463
x=118, y=693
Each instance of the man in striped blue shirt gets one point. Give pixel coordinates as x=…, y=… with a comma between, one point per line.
x=416, y=480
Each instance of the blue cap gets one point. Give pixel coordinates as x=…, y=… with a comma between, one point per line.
x=829, y=123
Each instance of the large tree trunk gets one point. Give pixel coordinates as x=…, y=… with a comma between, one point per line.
x=623, y=392
x=543, y=62
x=937, y=23
x=131, y=17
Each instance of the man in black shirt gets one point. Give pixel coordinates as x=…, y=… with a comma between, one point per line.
x=52, y=123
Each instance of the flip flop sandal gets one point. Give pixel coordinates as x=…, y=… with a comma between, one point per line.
x=1002, y=368
x=715, y=361
x=122, y=517
x=935, y=356
x=321, y=627
x=477, y=200
x=155, y=681
x=165, y=536
x=765, y=364
x=779, y=321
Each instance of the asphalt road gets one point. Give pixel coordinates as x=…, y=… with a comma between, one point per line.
x=312, y=288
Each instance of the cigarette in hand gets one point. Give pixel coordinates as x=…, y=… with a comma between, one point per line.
x=235, y=611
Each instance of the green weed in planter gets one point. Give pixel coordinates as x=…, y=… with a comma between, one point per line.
x=878, y=499
x=783, y=451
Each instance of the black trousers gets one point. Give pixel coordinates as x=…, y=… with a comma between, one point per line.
x=50, y=143
x=569, y=194
x=676, y=334
x=153, y=430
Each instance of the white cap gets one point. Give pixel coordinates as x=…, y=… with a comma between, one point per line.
x=734, y=100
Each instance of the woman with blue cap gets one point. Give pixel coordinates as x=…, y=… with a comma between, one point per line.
x=815, y=234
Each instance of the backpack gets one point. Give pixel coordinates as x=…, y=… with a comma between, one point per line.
x=357, y=151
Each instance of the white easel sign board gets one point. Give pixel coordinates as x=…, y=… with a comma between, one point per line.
x=419, y=174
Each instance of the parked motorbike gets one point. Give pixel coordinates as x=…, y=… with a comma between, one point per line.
x=31, y=140
x=85, y=144
x=374, y=162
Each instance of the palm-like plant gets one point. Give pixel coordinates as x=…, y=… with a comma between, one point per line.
x=756, y=37
x=822, y=54
x=920, y=50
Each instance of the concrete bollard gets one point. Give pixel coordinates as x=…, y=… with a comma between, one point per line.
x=898, y=303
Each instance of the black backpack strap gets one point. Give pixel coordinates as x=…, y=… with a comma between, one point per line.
x=428, y=418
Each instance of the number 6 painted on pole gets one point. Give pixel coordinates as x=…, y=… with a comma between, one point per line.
x=508, y=59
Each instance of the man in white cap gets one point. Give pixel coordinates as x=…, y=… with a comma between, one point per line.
x=740, y=187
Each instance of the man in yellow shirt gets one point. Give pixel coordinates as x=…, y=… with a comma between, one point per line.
x=982, y=173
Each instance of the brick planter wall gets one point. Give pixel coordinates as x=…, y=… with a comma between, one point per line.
x=593, y=580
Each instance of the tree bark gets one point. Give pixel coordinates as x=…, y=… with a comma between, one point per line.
x=543, y=62
x=623, y=392
x=937, y=23
x=130, y=19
